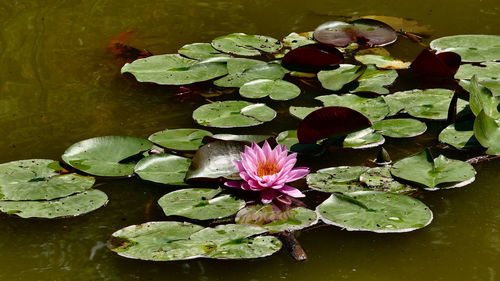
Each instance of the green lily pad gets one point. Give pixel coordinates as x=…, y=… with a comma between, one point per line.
x=428, y=104
x=287, y=138
x=337, y=179
x=481, y=98
x=242, y=44
x=471, y=47
x=375, y=80
x=163, y=168
x=38, y=179
x=365, y=138
x=169, y=241
x=199, y=204
x=270, y=71
x=434, y=174
x=487, y=132
x=238, y=65
x=200, y=51
x=241, y=138
x=214, y=160
x=460, y=135
x=380, y=179
x=104, y=156
x=336, y=79
x=301, y=112
x=400, y=128
x=275, y=89
x=275, y=220
x=382, y=62
x=375, y=211
x=180, y=139
x=231, y=114
x=483, y=71
x=373, y=108
x=70, y=206
x=295, y=40
x=173, y=69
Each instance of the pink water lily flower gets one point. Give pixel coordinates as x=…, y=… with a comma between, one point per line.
x=268, y=170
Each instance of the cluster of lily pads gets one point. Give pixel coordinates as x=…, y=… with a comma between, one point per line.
x=344, y=61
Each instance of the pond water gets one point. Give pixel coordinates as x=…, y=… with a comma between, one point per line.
x=59, y=84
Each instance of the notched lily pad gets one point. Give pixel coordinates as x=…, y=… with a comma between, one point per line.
x=276, y=220
x=109, y=156
x=337, y=179
x=336, y=79
x=375, y=211
x=200, y=51
x=460, y=135
x=39, y=179
x=400, y=128
x=270, y=71
x=376, y=80
x=366, y=138
x=246, y=45
x=199, y=204
x=240, y=138
x=275, y=89
x=230, y=114
x=483, y=71
x=163, y=168
x=70, y=206
x=434, y=174
x=373, y=108
x=180, y=139
x=380, y=179
x=471, y=47
x=169, y=241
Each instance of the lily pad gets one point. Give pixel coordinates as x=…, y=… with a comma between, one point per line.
x=400, y=128
x=200, y=51
x=215, y=160
x=337, y=179
x=363, y=31
x=180, y=139
x=163, y=168
x=39, y=179
x=375, y=80
x=242, y=44
x=330, y=121
x=241, y=138
x=487, y=132
x=168, y=241
x=70, y=206
x=301, y=112
x=434, y=174
x=275, y=89
x=231, y=114
x=287, y=138
x=459, y=135
x=275, y=220
x=270, y=71
x=173, y=69
x=380, y=179
x=471, y=47
x=428, y=104
x=295, y=40
x=373, y=108
x=481, y=98
x=336, y=79
x=375, y=211
x=199, y=204
x=366, y=138
x=382, y=62
x=106, y=156
x=312, y=58
x=443, y=64
x=483, y=71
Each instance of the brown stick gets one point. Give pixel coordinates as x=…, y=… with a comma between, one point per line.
x=292, y=245
x=481, y=158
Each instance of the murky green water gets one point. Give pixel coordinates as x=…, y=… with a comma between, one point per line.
x=59, y=84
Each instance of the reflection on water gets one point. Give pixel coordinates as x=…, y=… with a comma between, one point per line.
x=58, y=85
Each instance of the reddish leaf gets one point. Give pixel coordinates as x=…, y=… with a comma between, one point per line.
x=312, y=58
x=443, y=64
x=120, y=48
x=363, y=31
x=330, y=121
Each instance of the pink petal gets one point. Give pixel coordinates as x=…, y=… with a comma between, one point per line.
x=291, y=191
x=297, y=173
x=268, y=195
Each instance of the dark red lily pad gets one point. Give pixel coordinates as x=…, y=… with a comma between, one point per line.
x=312, y=58
x=444, y=64
x=330, y=121
x=363, y=31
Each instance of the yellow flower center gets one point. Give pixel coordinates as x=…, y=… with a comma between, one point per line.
x=267, y=168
